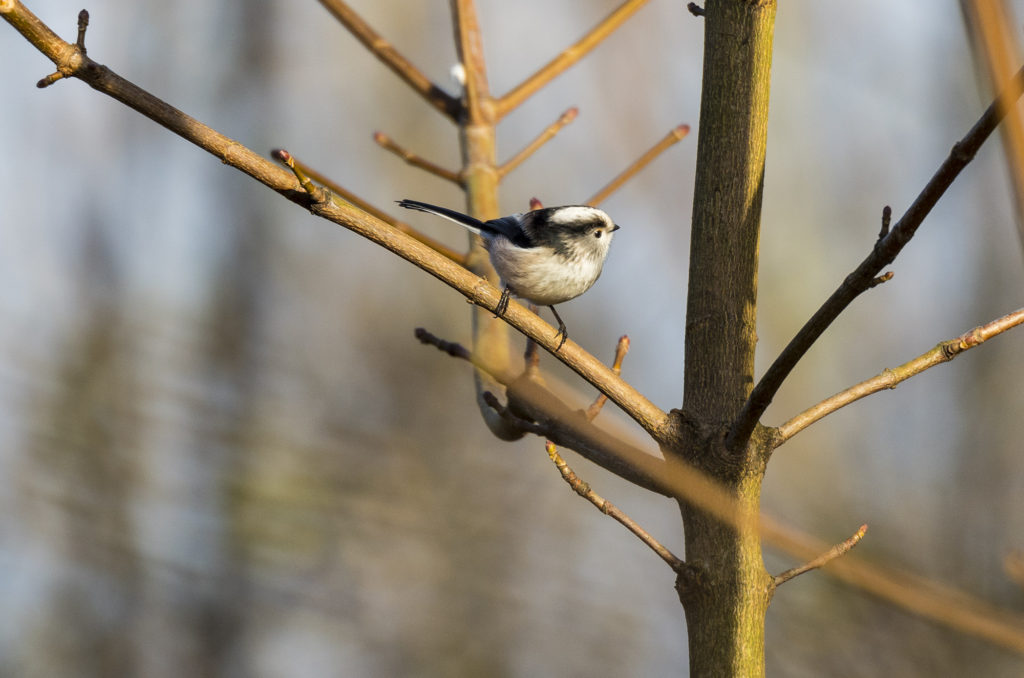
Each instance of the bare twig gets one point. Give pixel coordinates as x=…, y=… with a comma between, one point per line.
x=581, y=488
x=452, y=348
x=83, y=24
x=677, y=134
x=883, y=253
x=878, y=280
x=567, y=58
x=544, y=137
x=928, y=599
x=886, y=220
x=621, y=349
x=836, y=551
x=318, y=194
x=890, y=378
x=351, y=197
x=695, y=9
x=390, y=144
x=384, y=51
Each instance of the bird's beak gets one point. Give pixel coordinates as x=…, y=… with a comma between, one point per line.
x=615, y=227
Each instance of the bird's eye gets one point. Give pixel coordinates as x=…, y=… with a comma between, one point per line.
x=597, y=234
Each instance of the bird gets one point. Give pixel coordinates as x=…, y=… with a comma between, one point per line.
x=546, y=256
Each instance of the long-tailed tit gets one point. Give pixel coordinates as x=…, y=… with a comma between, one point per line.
x=546, y=256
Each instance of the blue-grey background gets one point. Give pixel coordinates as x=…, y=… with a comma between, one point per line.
x=223, y=453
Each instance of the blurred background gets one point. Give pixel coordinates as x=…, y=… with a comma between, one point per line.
x=223, y=453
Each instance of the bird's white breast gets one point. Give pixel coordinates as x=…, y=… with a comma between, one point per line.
x=539, y=275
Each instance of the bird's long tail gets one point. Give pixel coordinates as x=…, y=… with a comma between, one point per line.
x=465, y=220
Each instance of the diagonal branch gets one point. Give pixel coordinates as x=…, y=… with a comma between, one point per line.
x=927, y=599
x=582, y=488
x=389, y=144
x=391, y=58
x=71, y=61
x=351, y=197
x=677, y=134
x=824, y=559
x=890, y=378
x=884, y=252
x=532, y=147
x=567, y=58
x=534, y=409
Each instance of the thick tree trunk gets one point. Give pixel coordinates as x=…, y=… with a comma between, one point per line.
x=726, y=590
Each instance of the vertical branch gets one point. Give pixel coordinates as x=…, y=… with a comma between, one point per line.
x=720, y=307
x=726, y=607
x=480, y=180
x=992, y=28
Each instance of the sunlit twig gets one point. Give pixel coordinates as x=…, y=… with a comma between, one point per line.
x=582, y=488
x=928, y=599
x=621, y=349
x=386, y=142
x=567, y=58
x=824, y=559
x=367, y=207
x=401, y=66
x=676, y=135
x=891, y=377
x=545, y=136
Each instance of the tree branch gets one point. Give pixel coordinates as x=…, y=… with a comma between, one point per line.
x=891, y=377
x=544, y=137
x=507, y=103
x=883, y=253
x=677, y=134
x=479, y=173
x=389, y=144
x=383, y=50
x=824, y=559
x=351, y=197
x=72, y=62
x=621, y=349
x=582, y=488
x=930, y=600
x=534, y=409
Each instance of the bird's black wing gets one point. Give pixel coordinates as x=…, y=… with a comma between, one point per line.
x=511, y=228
